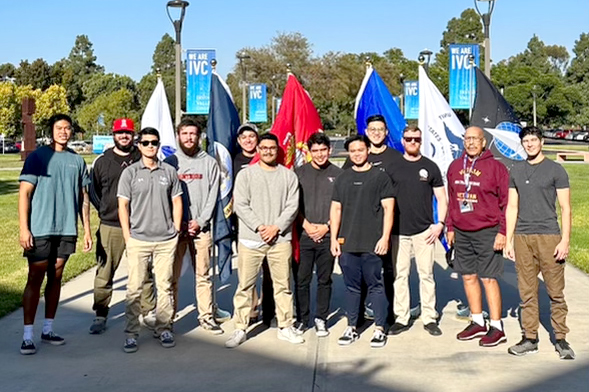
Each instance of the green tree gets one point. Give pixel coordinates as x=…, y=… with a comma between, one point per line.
x=7, y=70
x=78, y=68
x=50, y=102
x=108, y=106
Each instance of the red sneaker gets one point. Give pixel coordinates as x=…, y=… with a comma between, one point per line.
x=493, y=338
x=472, y=331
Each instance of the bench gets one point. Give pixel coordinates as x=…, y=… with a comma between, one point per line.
x=564, y=155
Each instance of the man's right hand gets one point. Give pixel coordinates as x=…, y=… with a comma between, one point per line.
x=26, y=239
x=450, y=238
x=509, y=251
x=336, y=249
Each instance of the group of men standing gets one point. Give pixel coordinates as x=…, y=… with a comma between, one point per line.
x=374, y=216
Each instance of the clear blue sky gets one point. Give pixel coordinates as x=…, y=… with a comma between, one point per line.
x=125, y=32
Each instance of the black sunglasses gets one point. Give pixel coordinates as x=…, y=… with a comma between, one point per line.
x=146, y=143
x=412, y=139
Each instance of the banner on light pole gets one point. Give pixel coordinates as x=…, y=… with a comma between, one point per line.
x=198, y=80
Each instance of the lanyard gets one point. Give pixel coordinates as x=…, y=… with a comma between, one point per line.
x=467, y=182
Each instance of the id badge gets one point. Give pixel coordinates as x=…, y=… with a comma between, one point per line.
x=466, y=206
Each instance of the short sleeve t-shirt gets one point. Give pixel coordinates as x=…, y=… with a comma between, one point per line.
x=150, y=193
x=385, y=161
x=413, y=184
x=536, y=186
x=360, y=195
x=240, y=162
x=58, y=178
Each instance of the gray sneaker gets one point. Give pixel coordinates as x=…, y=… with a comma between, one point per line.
x=237, y=337
x=98, y=326
x=211, y=326
x=564, y=349
x=524, y=347
x=167, y=339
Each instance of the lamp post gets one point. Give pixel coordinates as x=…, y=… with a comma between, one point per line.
x=424, y=58
x=486, y=18
x=470, y=92
x=242, y=56
x=181, y=4
x=402, y=97
x=534, y=106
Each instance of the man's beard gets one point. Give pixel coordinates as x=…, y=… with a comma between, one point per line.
x=188, y=151
x=126, y=148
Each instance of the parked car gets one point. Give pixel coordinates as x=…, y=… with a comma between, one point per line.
x=561, y=133
x=10, y=148
x=80, y=146
x=337, y=147
x=580, y=135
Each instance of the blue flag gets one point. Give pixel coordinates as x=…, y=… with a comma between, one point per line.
x=375, y=98
x=222, y=127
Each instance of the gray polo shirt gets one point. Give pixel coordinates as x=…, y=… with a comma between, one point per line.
x=150, y=193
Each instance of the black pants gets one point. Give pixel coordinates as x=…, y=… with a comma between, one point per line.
x=313, y=253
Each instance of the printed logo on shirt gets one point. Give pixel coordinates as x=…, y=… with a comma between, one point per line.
x=358, y=183
x=163, y=180
x=190, y=176
x=331, y=179
x=423, y=175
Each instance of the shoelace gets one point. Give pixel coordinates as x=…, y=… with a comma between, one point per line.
x=29, y=342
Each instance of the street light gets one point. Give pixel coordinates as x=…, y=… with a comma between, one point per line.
x=181, y=4
x=534, y=107
x=243, y=56
x=402, y=97
x=486, y=18
x=424, y=58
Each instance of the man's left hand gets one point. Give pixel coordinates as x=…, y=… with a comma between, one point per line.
x=87, y=242
x=561, y=251
x=269, y=233
x=499, y=242
x=435, y=231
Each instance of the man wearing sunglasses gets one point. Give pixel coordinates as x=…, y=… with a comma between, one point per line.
x=110, y=247
x=150, y=211
x=416, y=180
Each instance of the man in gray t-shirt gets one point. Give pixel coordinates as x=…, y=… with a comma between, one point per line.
x=150, y=212
x=535, y=242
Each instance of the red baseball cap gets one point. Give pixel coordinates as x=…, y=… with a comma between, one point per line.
x=123, y=124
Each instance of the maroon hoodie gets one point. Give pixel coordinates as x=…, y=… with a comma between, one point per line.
x=488, y=194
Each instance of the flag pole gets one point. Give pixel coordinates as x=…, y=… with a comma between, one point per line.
x=472, y=71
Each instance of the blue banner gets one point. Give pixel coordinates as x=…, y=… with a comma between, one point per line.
x=101, y=143
x=462, y=80
x=257, y=102
x=411, y=100
x=198, y=80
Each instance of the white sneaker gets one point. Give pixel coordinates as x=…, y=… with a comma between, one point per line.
x=290, y=335
x=320, y=328
x=237, y=337
x=148, y=321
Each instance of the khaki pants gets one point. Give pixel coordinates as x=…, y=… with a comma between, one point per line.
x=534, y=253
x=139, y=254
x=424, y=258
x=110, y=251
x=249, y=262
x=201, y=264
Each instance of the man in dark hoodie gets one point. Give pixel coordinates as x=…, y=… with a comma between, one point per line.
x=110, y=247
x=477, y=199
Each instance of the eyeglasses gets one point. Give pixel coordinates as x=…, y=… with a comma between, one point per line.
x=146, y=143
x=412, y=139
x=268, y=149
x=473, y=139
x=376, y=130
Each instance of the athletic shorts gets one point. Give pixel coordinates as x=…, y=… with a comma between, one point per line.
x=51, y=248
x=474, y=253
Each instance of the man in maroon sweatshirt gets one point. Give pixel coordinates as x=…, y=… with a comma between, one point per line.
x=478, y=186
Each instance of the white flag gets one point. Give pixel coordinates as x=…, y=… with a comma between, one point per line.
x=442, y=132
x=157, y=115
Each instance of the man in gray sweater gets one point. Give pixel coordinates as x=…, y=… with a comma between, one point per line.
x=266, y=197
x=199, y=175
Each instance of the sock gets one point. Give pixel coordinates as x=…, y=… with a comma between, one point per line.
x=47, y=326
x=28, y=332
x=497, y=324
x=478, y=318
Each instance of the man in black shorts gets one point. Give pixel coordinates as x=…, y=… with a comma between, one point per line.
x=52, y=194
x=477, y=199
x=361, y=219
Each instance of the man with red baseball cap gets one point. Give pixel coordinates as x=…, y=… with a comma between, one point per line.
x=106, y=171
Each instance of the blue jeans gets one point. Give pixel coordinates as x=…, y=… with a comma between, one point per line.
x=367, y=266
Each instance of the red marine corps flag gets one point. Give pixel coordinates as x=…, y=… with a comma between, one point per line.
x=297, y=119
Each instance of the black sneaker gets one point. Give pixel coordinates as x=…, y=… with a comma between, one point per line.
x=211, y=326
x=524, y=347
x=28, y=347
x=349, y=336
x=379, y=338
x=564, y=349
x=398, y=328
x=167, y=339
x=299, y=328
x=433, y=329
x=52, y=339
x=130, y=345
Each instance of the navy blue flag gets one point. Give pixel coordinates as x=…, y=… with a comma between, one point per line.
x=375, y=98
x=222, y=144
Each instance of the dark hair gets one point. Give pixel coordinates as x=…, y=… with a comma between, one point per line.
x=269, y=136
x=148, y=131
x=318, y=138
x=357, y=138
x=376, y=117
x=58, y=117
x=411, y=128
x=531, y=130
x=188, y=122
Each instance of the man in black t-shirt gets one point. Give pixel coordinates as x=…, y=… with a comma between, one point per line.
x=316, y=180
x=361, y=219
x=247, y=138
x=416, y=180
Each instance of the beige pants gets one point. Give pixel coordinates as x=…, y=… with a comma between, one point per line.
x=424, y=258
x=199, y=249
x=249, y=262
x=138, y=255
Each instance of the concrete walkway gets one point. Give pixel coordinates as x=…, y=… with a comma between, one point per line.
x=412, y=361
